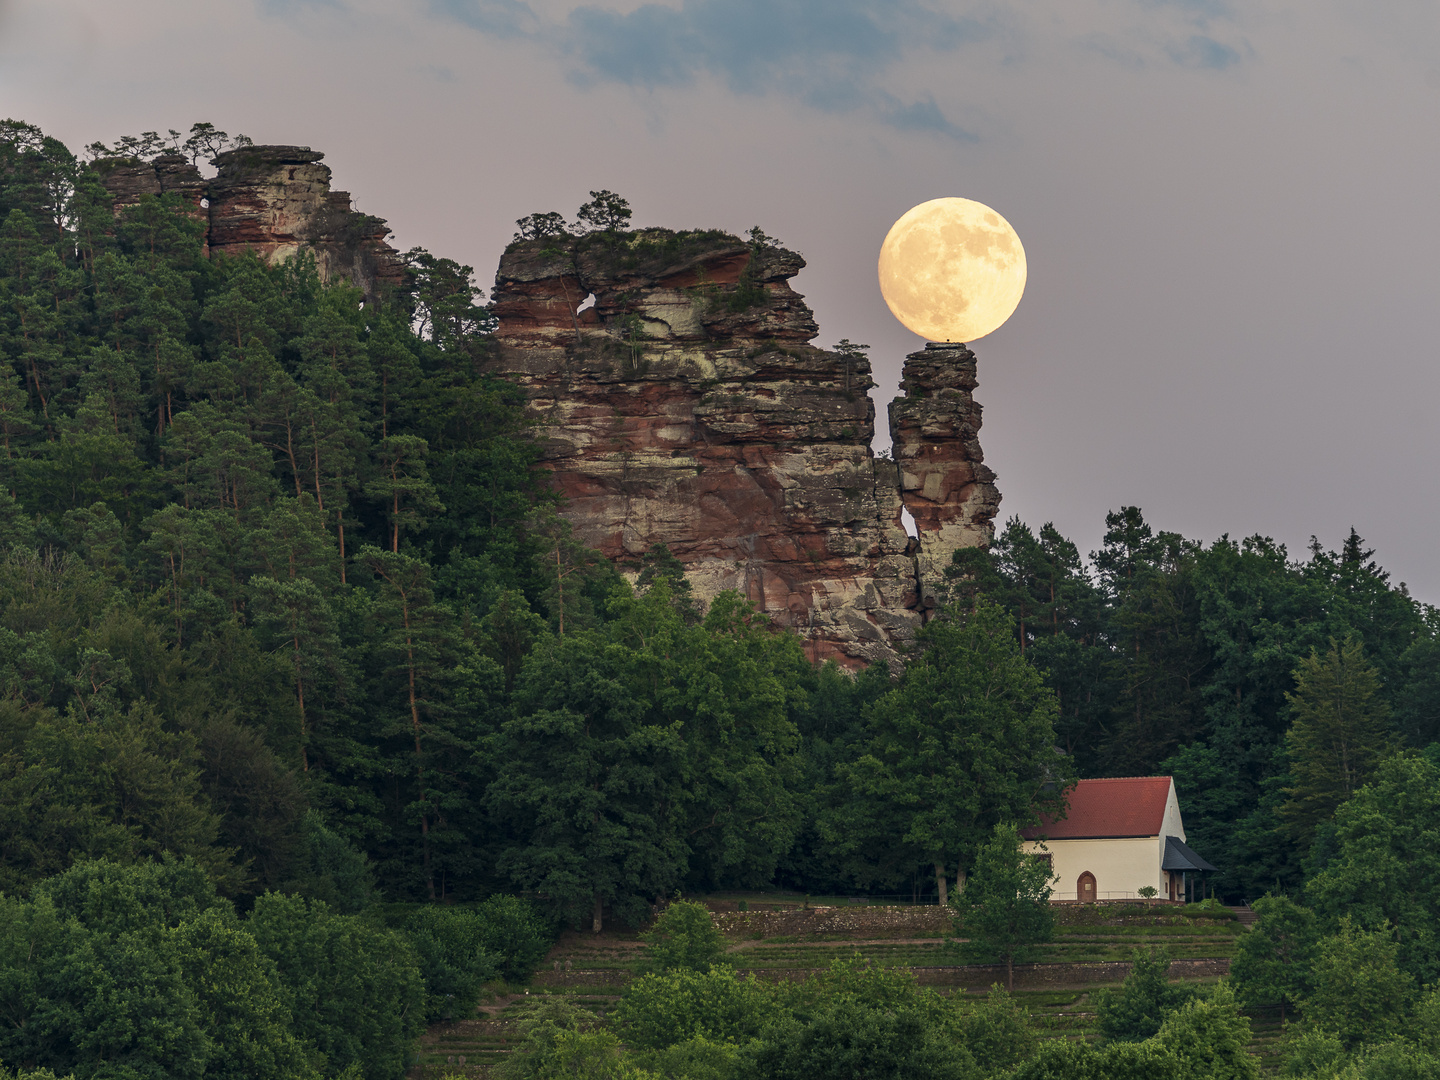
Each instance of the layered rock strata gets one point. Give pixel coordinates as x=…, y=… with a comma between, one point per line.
x=944, y=481
x=682, y=404
x=274, y=200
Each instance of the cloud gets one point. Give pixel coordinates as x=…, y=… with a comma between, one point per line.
x=1202, y=51
x=836, y=56
x=828, y=53
x=500, y=18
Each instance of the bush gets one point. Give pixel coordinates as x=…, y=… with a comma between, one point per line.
x=1210, y=1038
x=562, y=1043
x=1144, y=1000
x=1058, y=1059
x=515, y=933
x=450, y=945
x=1358, y=990
x=997, y=1032
x=1310, y=1052
x=848, y=1040
x=354, y=989
x=665, y=1008
x=684, y=936
x=696, y=1059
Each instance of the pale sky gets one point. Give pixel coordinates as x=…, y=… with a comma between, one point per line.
x=1231, y=210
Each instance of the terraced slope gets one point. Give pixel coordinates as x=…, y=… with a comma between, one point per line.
x=788, y=939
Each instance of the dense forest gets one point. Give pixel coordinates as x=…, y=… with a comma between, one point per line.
x=291, y=629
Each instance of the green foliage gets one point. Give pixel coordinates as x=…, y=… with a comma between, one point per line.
x=1060, y=1059
x=849, y=1040
x=997, y=1032
x=1384, y=872
x=684, y=936
x=1276, y=958
x=1319, y=1055
x=1203, y=1039
x=647, y=748
x=561, y=1042
x=1145, y=999
x=450, y=946
x=1338, y=736
x=1359, y=991
x=857, y=1019
x=354, y=991
x=516, y=933
x=139, y=971
x=663, y=1009
x=333, y=871
x=695, y=1059
x=1210, y=1038
x=965, y=741
x=605, y=212
x=1005, y=908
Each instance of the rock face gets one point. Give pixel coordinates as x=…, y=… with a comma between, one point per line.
x=947, y=487
x=274, y=200
x=683, y=404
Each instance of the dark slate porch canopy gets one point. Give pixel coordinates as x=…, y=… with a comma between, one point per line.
x=1180, y=857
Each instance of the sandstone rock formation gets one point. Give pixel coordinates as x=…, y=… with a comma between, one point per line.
x=274, y=200
x=944, y=481
x=683, y=404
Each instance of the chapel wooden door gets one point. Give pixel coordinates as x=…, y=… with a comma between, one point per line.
x=1085, y=890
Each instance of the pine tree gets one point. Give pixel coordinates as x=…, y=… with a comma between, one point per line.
x=1338, y=736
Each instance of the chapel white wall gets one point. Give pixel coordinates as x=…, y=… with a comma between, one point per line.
x=1121, y=867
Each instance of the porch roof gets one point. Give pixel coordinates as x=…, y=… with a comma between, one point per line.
x=1180, y=857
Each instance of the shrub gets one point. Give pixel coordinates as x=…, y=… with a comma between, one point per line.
x=563, y=1043
x=997, y=1032
x=684, y=936
x=1358, y=990
x=450, y=945
x=696, y=1059
x=1144, y=1000
x=666, y=1008
x=516, y=933
x=848, y=1040
x=1058, y=1059
x=1210, y=1038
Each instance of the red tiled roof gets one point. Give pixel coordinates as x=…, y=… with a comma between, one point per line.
x=1112, y=807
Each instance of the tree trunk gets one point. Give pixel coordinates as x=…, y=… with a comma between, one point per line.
x=598, y=920
x=960, y=879
x=940, y=884
x=1009, y=973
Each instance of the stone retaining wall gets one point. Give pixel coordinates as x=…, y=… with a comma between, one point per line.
x=859, y=920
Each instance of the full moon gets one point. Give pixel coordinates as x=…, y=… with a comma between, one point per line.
x=952, y=270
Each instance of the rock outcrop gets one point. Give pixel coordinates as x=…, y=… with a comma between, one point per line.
x=681, y=401
x=274, y=200
x=944, y=481
x=683, y=404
